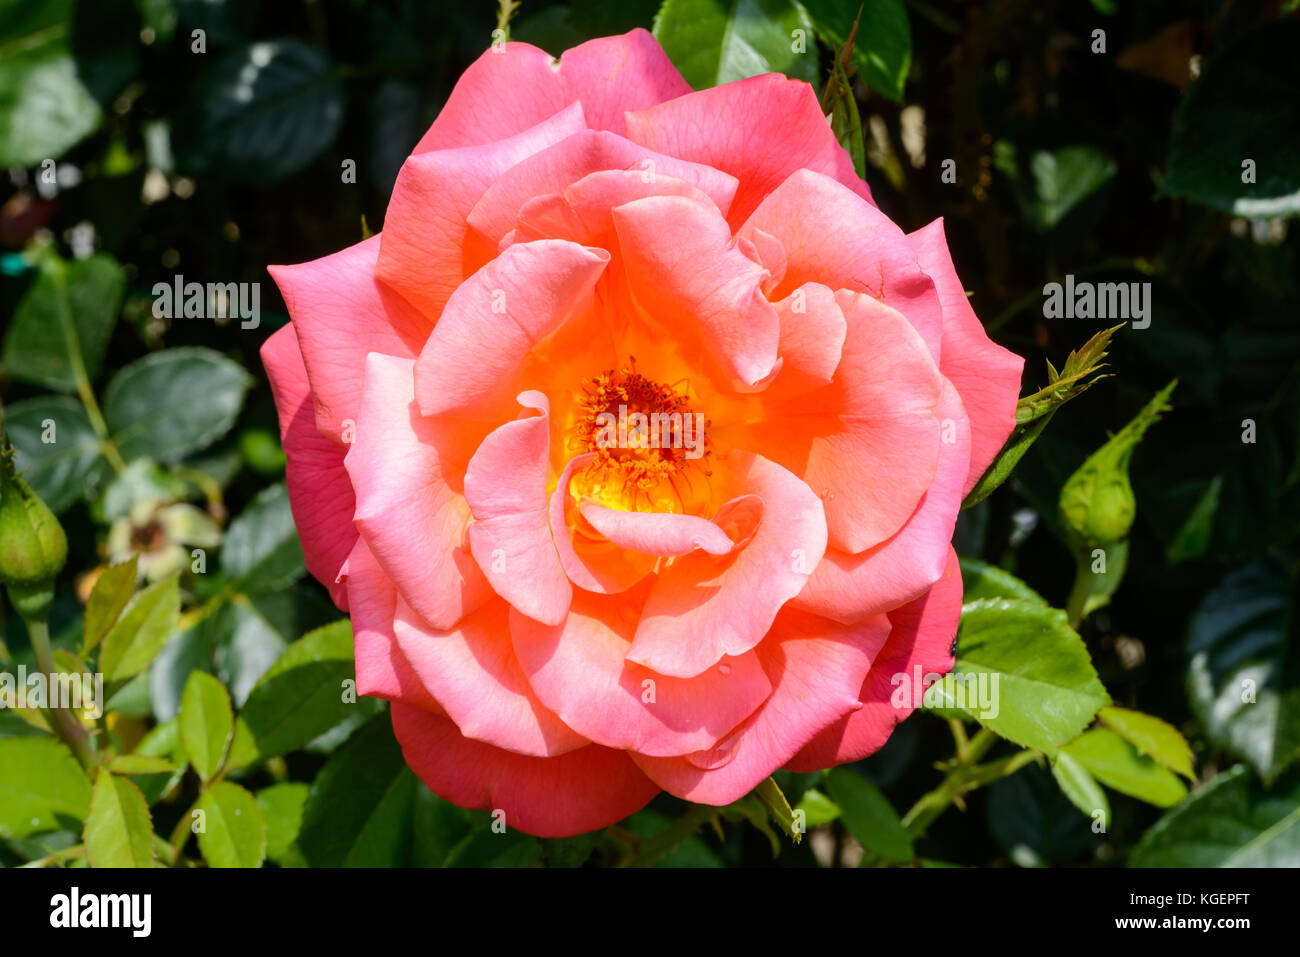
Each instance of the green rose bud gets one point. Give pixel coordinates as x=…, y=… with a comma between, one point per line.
x=33, y=546
x=1097, y=504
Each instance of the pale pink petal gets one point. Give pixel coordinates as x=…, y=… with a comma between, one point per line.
x=579, y=670
x=551, y=170
x=813, y=330
x=472, y=672
x=816, y=668
x=412, y=516
x=852, y=587
x=759, y=130
x=834, y=237
x=427, y=251
x=657, y=533
x=493, y=321
x=920, y=645
x=515, y=85
x=320, y=494
x=986, y=375
x=341, y=314
x=685, y=272
x=382, y=669
x=591, y=562
x=505, y=486
x=703, y=608
x=583, y=790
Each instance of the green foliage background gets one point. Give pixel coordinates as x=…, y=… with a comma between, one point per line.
x=1163, y=702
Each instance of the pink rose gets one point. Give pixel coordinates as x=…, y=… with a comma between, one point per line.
x=572, y=607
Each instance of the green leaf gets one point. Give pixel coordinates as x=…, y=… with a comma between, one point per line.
x=174, y=402
x=119, y=830
x=769, y=792
x=141, y=481
x=1022, y=672
x=163, y=742
x=1080, y=787
x=299, y=698
x=41, y=786
x=883, y=48
x=485, y=848
x=1245, y=105
x=65, y=320
x=261, y=551
x=1231, y=822
x=139, y=764
x=141, y=632
x=982, y=580
x=868, y=815
x=1117, y=764
x=282, y=806
x=359, y=811
x=1034, y=822
x=206, y=723
x=1243, y=672
x=817, y=808
x=45, y=109
x=113, y=590
x=1157, y=739
x=234, y=828
x=68, y=466
x=262, y=113
x=1064, y=178
x=716, y=41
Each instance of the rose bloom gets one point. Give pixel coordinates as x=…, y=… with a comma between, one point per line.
x=570, y=611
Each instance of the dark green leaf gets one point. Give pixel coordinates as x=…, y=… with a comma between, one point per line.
x=261, y=551
x=868, y=815
x=359, y=811
x=262, y=113
x=1231, y=822
x=1244, y=106
x=883, y=49
x=717, y=41
x=1243, y=671
x=69, y=466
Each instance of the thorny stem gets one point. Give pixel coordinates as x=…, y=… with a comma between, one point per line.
x=965, y=776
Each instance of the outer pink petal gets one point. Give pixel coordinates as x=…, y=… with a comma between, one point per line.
x=759, y=130
x=515, y=85
x=505, y=486
x=922, y=637
x=834, y=237
x=320, y=494
x=703, y=608
x=408, y=511
x=382, y=669
x=684, y=271
x=494, y=320
x=340, y=314
x=816, y=668
x=986, y=375
x=473, y=673
x=582, y=790
x=579, y=670
x=591, y=562
x=852, y=587
x=427, y=250
x=550, y=171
